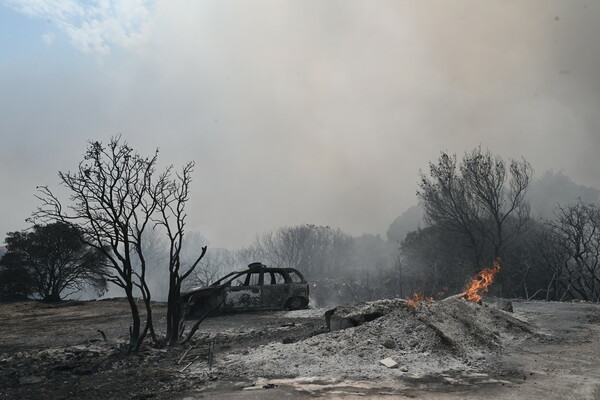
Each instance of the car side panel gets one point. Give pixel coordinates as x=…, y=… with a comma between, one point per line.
x=242, y=297
x=274, y=296
x=202, y=302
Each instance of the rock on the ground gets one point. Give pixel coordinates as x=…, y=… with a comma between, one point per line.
x=389, y=362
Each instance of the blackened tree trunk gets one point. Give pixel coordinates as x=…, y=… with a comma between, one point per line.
x=171, y=204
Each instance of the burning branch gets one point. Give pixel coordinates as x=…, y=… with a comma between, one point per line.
x=418, y=298
x=480, y=283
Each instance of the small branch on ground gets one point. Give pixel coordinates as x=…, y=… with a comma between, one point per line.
x=184, y=354
x=190, y=363
x=197, y=324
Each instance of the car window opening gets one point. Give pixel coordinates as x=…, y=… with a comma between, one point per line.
x=253, y=279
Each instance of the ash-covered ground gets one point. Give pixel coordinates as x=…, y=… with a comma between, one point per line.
x=444, y=349
x=431, y=338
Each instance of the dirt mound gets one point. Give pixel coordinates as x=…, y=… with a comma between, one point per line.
x=435, y=337
x=468, y=329
x=356, y=314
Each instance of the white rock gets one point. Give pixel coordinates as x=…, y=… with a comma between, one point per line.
x=389, y=362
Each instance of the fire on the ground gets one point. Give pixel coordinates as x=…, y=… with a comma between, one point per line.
x=473, y=291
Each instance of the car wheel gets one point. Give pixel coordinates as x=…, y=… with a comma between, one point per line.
x=295, y=303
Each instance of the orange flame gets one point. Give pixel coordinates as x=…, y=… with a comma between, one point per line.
x=480, y=283
x=418, y=298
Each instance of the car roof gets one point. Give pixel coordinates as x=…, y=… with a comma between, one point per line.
x=252, y=268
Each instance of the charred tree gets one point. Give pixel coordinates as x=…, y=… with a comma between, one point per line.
x=482, y=199
x=171, y=200
x=449, y=204
x=499, y=189
x=574, y=255
x=113, y=196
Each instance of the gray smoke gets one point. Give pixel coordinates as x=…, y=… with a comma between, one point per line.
x=312, y=112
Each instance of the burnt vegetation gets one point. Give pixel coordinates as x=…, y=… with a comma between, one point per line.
x=473, y=210
x=123, y=230
x=124, y=221
x=117, y=198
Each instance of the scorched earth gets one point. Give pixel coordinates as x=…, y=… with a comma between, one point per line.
x=444, y=349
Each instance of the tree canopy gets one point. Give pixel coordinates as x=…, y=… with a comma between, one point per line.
x=50, y=262
x=481, y=198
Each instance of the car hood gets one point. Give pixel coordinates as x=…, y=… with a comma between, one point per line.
x=202, y=290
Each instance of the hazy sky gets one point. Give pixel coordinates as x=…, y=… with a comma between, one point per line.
x=295, y=111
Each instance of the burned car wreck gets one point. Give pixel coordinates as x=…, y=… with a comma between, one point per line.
x=257, y=288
